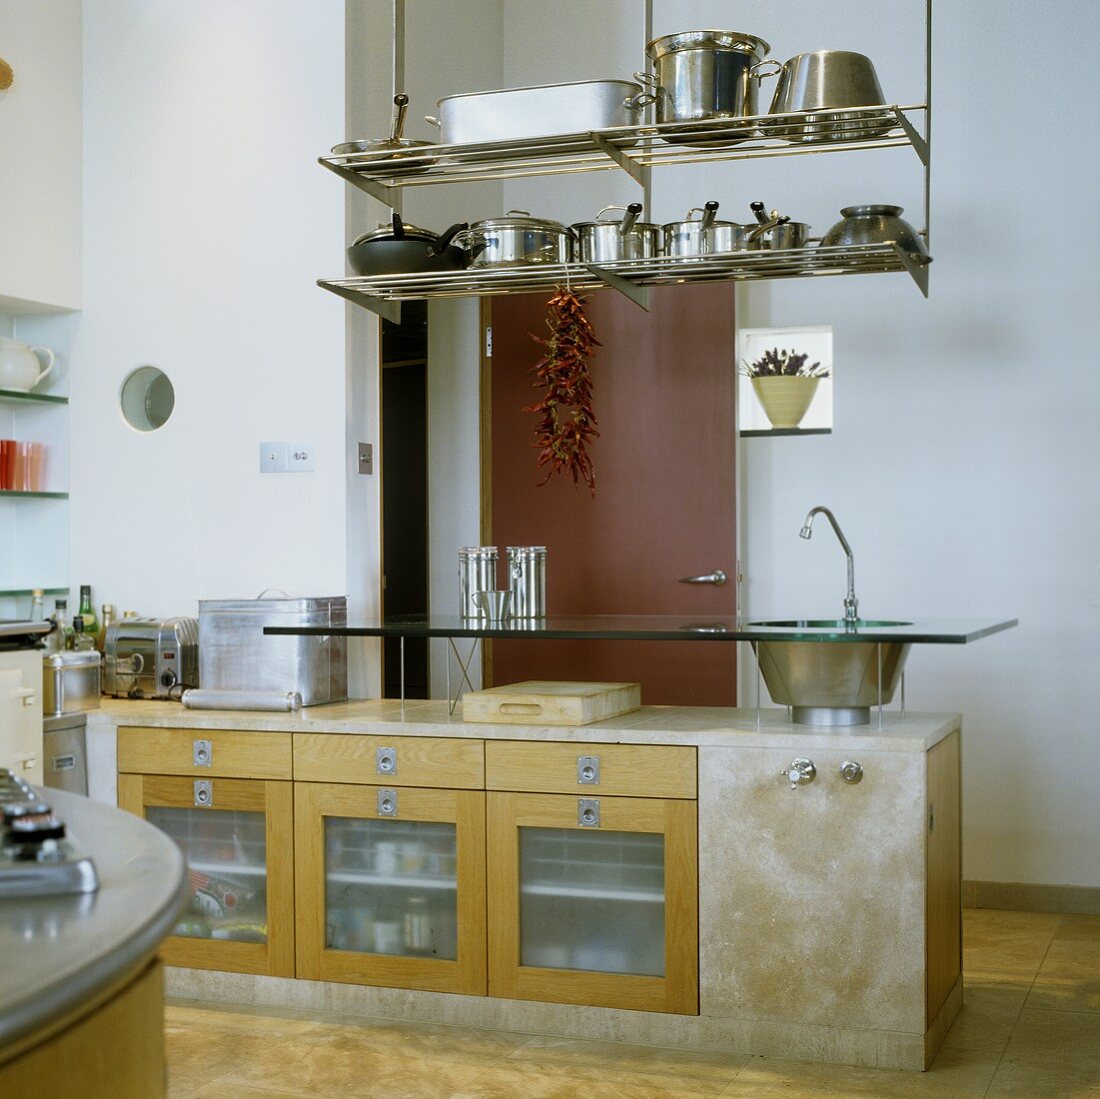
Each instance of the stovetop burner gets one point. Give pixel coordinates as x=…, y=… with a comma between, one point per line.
x=37, y=858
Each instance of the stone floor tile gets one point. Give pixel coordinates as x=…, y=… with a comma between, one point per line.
x=1069, y=978
x=987, y=1017
x=1024, y=1080
x=955, y=1074
x=1080, y=928
x=1055, y=1038
x=514, y=1079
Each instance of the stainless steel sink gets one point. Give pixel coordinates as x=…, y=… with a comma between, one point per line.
x=831, y=682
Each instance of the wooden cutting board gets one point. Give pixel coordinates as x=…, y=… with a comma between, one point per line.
x=545, y=702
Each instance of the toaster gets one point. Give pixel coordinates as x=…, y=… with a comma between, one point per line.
x=151, y=657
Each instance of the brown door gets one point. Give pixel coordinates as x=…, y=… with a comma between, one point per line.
x=664, y=384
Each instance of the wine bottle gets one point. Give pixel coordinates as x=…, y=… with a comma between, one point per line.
x=87, y=611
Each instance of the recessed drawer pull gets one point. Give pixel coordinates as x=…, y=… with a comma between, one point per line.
x=204, y=793
x=387, y=803
x=202, y=753
x=588, y=812
x=385, y=761
x=529, y=708
x=588, y=770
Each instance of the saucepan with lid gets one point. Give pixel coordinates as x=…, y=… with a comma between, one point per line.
x=516, y=239
x=775, y=231
x=605, y=240
x=703, y=235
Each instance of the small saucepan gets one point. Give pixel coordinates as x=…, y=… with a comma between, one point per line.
x=775, y=231
x=607, y=240
x=400, y=249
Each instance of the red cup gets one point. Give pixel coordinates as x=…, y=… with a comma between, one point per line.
x=7, y=465
x=36, y=479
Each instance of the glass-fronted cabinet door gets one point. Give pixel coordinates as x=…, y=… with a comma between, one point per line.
x=391, y=886
x=237, y=836
x=594, y=901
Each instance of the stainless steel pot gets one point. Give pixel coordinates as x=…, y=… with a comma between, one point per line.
x=703, y=235
x=875, y=225
x=515, y=239
x=513, y=114
x=828, y=80
x=708, y=74
x=774, y=231
x=605, y=241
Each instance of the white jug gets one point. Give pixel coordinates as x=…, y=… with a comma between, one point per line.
x=20, y=368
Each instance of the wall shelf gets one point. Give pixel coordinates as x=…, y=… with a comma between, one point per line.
x=631, y=149
x=14, y=396
x=629, y=276
x=8, y=494
x=778, y=431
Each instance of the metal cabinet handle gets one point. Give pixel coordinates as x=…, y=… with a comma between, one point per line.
x=588, y=812
x=385, y=761
x=718, y=578
x=204, y=793
x=588, y=770
x=202, y=753
x=387, y=803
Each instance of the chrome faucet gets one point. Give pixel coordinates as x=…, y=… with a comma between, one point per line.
x=851, y=604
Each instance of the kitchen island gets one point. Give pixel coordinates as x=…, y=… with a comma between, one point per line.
x=81, y=992
x=810, y=908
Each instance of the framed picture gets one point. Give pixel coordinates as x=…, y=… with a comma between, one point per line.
x=815, y=341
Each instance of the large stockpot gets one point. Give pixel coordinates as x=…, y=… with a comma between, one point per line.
x=705, y=75
x=515, y=114
x=828, y=80
x=608, y=240
x=517, y=238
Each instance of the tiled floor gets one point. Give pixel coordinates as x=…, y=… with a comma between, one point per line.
x=1029, y=1029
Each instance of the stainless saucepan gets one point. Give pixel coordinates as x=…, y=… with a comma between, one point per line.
x=607, y=240
x=515, y=239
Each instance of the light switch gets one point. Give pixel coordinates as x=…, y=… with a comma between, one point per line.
x=299, y=458
x=273, y=457
x=366, y=458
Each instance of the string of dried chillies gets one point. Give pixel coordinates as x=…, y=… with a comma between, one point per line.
x=567, y=423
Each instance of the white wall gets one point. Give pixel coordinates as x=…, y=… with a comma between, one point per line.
x=207, y=222
x=962, y=463
x=40, y=154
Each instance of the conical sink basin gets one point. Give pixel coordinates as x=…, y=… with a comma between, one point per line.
x=832, y=679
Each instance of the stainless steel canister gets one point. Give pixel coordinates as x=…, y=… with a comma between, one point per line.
x=477, y=571
x=527, y=581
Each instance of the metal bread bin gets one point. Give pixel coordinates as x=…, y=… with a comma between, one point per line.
x=70, y=682
x=235, y=654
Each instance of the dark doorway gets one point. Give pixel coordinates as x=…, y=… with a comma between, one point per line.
x=405, y=493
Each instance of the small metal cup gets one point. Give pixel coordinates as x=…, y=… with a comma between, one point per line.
x=495, y=605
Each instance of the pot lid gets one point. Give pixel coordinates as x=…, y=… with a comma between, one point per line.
x=679, y=226
x=520, y=219
x=385, y=232
x=708, y=40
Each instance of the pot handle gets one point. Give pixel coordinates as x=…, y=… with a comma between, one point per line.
x=49, y=365
x=398, y=226
x=640, y=101
x=448, y=236
x=606, y=208
x=473, y=240
x=630, y=218
x=710, y=211
x=433, y=121
x=648, y=79
x=766, y=226
x=763, y=75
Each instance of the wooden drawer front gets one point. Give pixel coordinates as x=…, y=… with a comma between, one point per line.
x=448, y=763
x=632, y=770
x=231, y=754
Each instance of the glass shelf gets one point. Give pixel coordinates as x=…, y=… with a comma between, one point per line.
x=764, y=433
x=642, y=627
x=16, y=593
x=15, y=396
x=6, y=494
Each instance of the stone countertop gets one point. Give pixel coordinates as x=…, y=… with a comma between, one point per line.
x=703, y=726
x=61, y=952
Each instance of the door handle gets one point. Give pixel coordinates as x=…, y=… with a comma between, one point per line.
x=717, y=578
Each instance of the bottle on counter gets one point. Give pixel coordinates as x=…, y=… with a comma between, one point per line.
x=83, y=641
x=60, y=637
x=87, y=611
x=107, y=616
x=38, y=605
